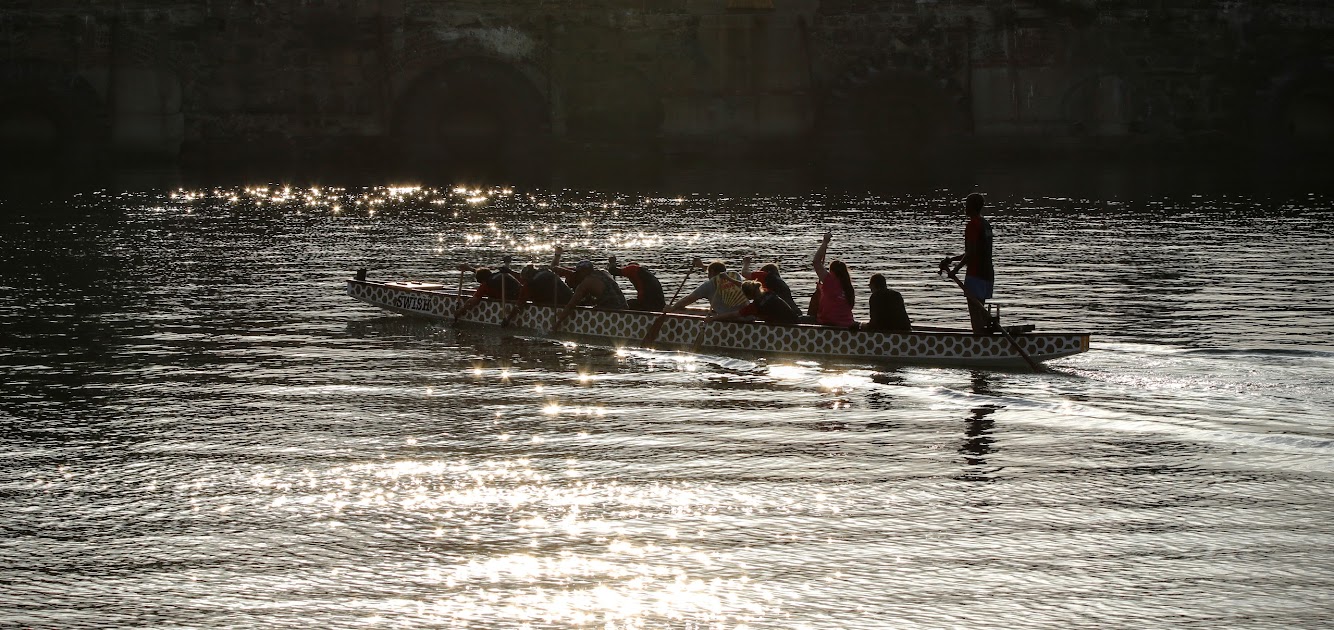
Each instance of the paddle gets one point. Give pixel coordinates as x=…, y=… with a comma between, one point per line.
x=519, y=306
x=509, y=319
x=699, y=339
x=504, y=271
x=656, y=326
x=1013, y=343
x=455, y=321
x=464, y=268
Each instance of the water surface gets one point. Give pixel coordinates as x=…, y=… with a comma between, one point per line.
x=201, y=430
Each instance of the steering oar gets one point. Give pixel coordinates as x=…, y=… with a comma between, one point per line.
x=980, y=304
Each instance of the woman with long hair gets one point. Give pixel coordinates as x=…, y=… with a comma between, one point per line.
x=835, y=289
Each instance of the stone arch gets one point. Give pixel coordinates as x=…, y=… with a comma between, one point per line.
x=890, y=107
x=472, y=112
x=48, y=113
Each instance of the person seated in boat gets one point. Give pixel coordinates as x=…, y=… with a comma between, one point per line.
x=722, y=290
x=812, y=307
x=769, y=278
x=504, y=268
x=564, y=273
x=591, y=285
x=888, y=314
x=543, y=286
x=837, y=296
x=539, y=286
x=765, y=306
x=648, y=290
x=501, y=284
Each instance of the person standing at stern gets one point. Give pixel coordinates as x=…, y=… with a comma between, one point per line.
x=981, y=277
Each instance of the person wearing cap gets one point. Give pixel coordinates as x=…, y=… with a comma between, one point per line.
x=591, y=285
x=722, y=290
x=648, y=290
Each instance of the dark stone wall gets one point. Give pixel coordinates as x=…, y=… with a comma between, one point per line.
x=522, y=81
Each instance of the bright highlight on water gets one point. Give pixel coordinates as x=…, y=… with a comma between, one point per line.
x=201, y=429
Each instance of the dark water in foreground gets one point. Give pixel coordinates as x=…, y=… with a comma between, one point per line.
x=200, y=430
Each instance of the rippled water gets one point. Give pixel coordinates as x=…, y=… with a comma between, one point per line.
x=200, y=429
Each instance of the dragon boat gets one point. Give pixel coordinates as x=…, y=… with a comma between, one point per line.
x=1011, y=347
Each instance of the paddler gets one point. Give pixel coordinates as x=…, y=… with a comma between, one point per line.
x=540, y=286
x=765, y=306
x=648, y=290
x=722, y=290
x=769, y=278
x=594, y=285
x=501, y=284
x=836, y=295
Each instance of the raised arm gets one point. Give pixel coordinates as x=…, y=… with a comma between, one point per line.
x=745, y=266
x=817, y=261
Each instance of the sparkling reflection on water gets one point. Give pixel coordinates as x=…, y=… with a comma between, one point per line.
x=200, y=430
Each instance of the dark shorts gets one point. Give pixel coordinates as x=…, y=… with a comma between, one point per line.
x=977, y=287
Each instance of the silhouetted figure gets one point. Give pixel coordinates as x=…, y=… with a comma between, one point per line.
x=888, y=312
x=648, y=290
x=543, y=286
x=501, y=284
x=835, y=289
x=722, y=290
x=773, y=283
x=764, y=306
x=591, y=285
x=981, y=278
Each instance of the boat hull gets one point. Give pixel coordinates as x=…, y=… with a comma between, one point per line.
x=680, y=330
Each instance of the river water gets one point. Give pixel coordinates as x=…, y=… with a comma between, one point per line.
x=199, y=429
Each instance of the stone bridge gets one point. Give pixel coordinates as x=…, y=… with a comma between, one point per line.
x=520, y=81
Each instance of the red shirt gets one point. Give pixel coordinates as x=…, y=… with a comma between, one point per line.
x=977, y=239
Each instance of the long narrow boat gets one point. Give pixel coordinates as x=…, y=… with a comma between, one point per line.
x=931, y=346
x=922, y=346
